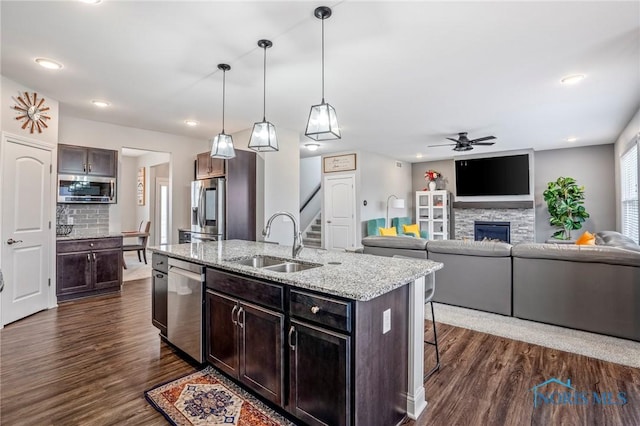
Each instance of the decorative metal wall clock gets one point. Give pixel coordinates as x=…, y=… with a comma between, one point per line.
x=32, y=111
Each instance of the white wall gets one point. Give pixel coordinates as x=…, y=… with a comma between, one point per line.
x=127, y=194
x=310, y=176
x=77, y=131
x=622, y=144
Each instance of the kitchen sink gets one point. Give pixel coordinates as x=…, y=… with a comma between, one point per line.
x=261, y=261
x=291, y=267
x=276, y=264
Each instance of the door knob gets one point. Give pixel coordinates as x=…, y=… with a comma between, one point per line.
x=328, y=221
x=11, y=241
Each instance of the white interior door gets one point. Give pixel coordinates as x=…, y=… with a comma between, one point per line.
x=162, y=211
x=25, y=226
x=339, y=212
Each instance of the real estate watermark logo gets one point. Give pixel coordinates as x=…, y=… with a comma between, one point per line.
x=568, y=395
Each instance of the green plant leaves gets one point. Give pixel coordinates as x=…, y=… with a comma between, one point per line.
x=565, y=201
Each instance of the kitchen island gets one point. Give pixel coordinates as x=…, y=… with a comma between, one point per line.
x=339, y=341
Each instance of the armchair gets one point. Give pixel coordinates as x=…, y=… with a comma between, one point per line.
x=374, y=224
x=397, y=222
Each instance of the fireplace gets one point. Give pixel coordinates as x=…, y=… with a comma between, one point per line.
x=492, y=231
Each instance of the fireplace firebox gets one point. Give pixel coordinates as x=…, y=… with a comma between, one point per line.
x=492, y=231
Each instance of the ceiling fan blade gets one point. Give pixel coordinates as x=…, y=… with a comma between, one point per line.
x=455, y=140
x=484, y=143
x=486, y=138
x=443, y=144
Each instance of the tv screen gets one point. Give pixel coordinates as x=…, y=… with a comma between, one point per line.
x=493, y=176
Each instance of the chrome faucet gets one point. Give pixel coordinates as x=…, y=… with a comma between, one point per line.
x=297, y=235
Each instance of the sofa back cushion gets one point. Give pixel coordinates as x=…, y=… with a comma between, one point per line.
x=470, y=248
x=374, y=224
x=399, y=242
x=575, y=253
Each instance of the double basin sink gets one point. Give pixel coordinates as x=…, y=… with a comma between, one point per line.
x=276, y=264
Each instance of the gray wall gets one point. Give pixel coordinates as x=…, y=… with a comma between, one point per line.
x=593, y=168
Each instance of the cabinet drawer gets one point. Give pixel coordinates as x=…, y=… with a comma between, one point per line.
x=265, y=294
x=159, y=262
x=88, y=245
x=322, y=310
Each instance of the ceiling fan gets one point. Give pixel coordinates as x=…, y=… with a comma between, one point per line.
x=465, y=144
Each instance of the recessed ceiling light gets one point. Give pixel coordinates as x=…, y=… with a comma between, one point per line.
x=100, y=103
x=312, y=146
x=418, y=155
x=191, y=123
x=572, y=79
x=48, y=63
x=91, y=1
x=572, y=139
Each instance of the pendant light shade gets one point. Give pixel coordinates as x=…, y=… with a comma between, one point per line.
x=323, y=122
x=263, y=137
x=222, y=144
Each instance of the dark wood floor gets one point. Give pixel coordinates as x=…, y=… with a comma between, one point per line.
x=89, y=362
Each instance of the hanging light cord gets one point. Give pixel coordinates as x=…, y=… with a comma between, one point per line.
x=224, y=84
x=264, y=87
x=323, y=59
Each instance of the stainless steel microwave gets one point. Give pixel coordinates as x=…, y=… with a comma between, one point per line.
x=86, y=189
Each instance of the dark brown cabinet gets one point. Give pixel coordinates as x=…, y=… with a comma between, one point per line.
x=159, y=292
x=244, y=339
x=79, y=160
x=88, y=267
x=207, y=167
x=241, y=196
x=320, y=371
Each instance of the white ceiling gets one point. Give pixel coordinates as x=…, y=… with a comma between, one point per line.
x=401, y=75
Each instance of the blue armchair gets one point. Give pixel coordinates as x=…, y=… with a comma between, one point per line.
x=399, y=221
x=374, y=224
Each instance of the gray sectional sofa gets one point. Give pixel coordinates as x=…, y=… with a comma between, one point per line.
x=592, y=288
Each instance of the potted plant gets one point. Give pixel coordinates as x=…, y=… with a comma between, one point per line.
x=431, y=176
x=565, y=201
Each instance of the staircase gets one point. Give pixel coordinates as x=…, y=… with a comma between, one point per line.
x=313, y=236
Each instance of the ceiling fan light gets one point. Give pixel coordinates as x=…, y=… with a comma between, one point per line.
x=323, y=123
x=572, y=79
x=263, y=137
x=222, y=146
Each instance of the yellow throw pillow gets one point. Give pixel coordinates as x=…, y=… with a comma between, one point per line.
x=586, y=239
x=411, y=229
x=388, y=232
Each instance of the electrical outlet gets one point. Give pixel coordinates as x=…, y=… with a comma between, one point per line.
x=69, y=220
x=386, y=321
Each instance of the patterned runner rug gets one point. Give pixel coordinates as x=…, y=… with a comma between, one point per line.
x=208, y=398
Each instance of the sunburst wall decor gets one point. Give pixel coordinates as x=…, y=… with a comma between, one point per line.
x=32, y=111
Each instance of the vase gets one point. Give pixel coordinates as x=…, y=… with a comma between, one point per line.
x=432, y=185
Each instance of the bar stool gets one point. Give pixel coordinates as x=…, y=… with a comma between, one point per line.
x=428, y=298
x=429, y=290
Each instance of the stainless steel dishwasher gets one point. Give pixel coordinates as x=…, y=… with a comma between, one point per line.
x=184, y=307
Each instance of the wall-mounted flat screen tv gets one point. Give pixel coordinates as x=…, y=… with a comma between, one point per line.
x=507, y=175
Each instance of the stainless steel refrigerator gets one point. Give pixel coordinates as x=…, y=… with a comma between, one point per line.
x=208, y=210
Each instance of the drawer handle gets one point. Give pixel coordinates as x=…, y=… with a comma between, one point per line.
x=159, y=276
x=291, y=345
x=160, y=263
x=233, y=312
x=90, y=244
x=315, y=309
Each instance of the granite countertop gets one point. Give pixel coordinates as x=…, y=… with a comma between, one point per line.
x=88, y=234
x=356, y=276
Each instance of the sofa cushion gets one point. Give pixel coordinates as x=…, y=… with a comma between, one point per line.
x=570, y=252
x=470, y=248
x=615, y=239
x=400, y=242
x=387, y=232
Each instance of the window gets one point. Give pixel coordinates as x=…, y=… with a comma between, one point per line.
x=629, y=193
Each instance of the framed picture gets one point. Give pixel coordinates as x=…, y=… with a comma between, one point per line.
x=339, y=163
x=140, y=188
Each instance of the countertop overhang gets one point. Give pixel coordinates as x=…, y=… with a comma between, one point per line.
x=353, y=276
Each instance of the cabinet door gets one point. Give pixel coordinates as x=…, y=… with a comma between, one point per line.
x=261, y=358
x=217, y=167
x=101, y=162
x=159, y=301
x=319, y=362
x=73, y=272
x=203, y=165
x=107, y=268
x=72, y=160
x=222, y=332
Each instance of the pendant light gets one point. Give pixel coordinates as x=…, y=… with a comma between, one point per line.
x=263, y=138
x=323, y=123
x=222, y=144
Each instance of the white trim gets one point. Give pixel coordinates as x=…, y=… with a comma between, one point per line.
x=51, y=147
x=416, y=402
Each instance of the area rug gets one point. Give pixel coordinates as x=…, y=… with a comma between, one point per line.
x=208, y=398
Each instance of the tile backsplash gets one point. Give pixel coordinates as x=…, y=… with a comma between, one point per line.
x=94, y=217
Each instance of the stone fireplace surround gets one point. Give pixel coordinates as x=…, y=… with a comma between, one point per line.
x=519, y=214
